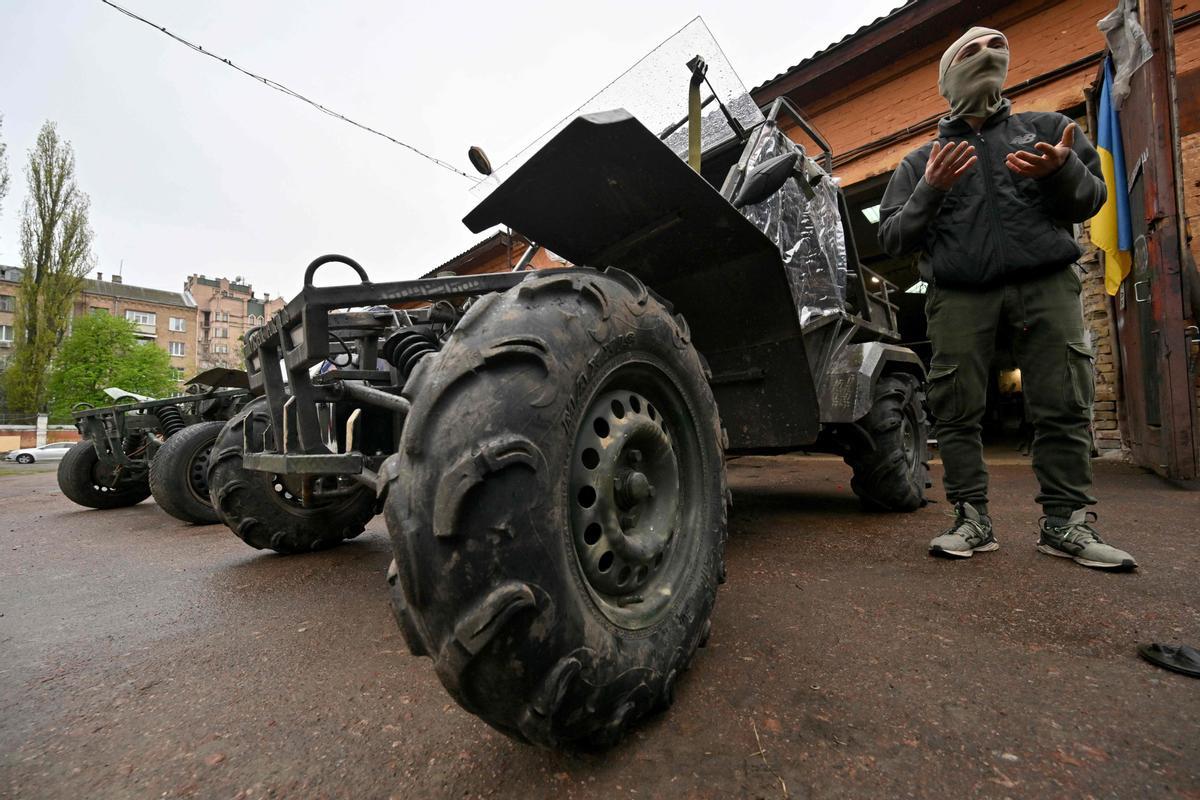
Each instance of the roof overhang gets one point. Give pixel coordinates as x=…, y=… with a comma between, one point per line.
x=873, y=47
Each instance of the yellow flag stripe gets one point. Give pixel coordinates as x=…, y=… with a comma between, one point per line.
x=1105, y=235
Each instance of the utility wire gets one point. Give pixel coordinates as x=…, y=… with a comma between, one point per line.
x=279, y=87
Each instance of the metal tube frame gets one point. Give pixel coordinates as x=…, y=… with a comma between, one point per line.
x=299, y=336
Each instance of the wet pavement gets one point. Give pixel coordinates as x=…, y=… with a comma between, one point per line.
x=141, y=657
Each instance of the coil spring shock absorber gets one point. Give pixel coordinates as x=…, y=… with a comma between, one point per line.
x=404, y=348
x=171, y=420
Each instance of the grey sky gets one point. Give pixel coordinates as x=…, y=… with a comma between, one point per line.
x=192, y=167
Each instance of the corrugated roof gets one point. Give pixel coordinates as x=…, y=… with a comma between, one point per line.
x=142, y=294
x=843, y=41
x=123, y=291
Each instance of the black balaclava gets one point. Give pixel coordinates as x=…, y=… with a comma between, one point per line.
x=972, y=86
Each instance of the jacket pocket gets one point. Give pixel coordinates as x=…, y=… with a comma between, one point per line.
x=945, y=399
x=1080, y=384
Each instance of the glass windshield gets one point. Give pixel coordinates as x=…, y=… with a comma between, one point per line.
x=655, y=90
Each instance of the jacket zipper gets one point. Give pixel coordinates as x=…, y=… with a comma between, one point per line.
x=990, y=199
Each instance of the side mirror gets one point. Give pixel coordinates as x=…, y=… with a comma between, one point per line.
x=766, y=179
x=479, y=160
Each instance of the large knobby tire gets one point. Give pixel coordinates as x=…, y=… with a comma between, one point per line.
x=179, y=474
x=263, y=510
x=891, y=469
x=85, y=480
x=558, y=508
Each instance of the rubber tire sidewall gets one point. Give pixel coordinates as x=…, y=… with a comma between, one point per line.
x=882, y=478
x=520, y=370
x=170, y=474
x=247, y=503
x=75, y=481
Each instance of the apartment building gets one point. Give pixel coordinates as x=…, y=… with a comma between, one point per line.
x=168, y=319
x=9, y=278
x=224, y=311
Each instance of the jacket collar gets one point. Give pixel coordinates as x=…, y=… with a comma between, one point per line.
x=957, y=126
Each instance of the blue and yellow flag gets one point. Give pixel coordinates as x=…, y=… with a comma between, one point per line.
x=1111, y=228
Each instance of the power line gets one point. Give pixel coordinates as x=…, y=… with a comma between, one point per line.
x=279, y=87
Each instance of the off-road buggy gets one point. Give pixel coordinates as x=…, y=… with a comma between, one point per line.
x=140, y=447
x=548, y=447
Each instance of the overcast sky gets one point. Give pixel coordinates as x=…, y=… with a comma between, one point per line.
x=192, y=167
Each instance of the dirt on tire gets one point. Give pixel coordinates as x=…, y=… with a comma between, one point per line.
x=491, y=577
x=891, y=470
x=259, y=508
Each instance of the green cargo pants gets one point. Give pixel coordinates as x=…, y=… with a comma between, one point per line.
x=1044, y=320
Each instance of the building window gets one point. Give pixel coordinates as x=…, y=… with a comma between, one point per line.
x=7, y=302
x=220, y=333
x=141, y=317
x=177, y=373
x=175, y=348
x=98, y=310
x=178, y=324
x=220, y=348
x=221, y=316
x=6, y=334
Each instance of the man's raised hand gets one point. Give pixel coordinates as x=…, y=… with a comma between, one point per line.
x=1050, y=160
x=947, y=164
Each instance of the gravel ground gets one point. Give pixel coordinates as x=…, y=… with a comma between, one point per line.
x=141, y=657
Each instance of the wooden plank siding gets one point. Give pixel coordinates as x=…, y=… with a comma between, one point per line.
x=1043, y=36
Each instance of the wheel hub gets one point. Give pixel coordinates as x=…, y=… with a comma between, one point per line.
x=908, y=436
x=624, y=494
x=198, y=474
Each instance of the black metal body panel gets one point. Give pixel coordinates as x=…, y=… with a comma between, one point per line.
x=606, y=192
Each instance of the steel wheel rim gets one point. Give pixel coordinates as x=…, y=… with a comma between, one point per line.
x=908, y=439
x=197, y=478
x=632, y=478
x=104, y=477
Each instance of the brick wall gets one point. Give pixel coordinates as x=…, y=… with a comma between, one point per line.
x=13, y=437
x=1096, y=308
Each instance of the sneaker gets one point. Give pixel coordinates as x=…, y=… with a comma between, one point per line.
x=972, y=533
x=1078, y=540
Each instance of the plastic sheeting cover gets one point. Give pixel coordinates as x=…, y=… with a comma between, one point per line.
x=808, y=233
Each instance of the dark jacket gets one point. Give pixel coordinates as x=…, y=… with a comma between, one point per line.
x=993, y=225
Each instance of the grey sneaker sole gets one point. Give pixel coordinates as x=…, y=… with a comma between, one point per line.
x=1127, y=564
x=937, y=550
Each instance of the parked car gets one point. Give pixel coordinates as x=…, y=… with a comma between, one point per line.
x=47, y=452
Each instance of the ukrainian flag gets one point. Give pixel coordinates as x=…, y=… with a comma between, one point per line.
x=1111, y=228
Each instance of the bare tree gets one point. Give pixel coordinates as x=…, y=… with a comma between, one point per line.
x=56, y=253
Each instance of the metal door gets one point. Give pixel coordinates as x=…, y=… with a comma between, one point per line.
x=1160, y=404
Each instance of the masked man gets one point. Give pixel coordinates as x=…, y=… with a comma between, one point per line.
x=989, y=207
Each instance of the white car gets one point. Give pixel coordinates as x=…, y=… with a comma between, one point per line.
x=47, y=452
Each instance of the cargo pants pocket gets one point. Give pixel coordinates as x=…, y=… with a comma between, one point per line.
x=945, y=398
x=1080, y=384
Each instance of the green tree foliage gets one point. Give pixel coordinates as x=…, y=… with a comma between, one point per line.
x=56, y=252
x=102, y=351
x=3, y=192
x=3, y=167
